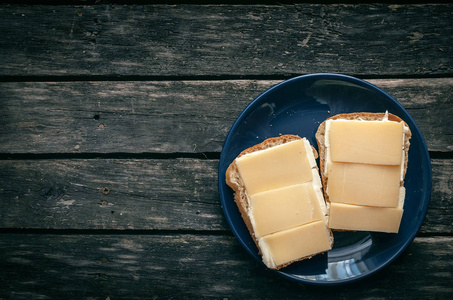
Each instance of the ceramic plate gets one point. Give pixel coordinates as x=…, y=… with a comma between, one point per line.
x=298, y=106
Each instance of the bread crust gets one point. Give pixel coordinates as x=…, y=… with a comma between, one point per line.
x=366, y=116
x=234, y=180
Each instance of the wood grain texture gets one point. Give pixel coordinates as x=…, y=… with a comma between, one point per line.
x=194, y=266
x=440, y=213
x=226, y=40
x=98, y=103
x=177, y=194
x=143, y=194
x=170, y=116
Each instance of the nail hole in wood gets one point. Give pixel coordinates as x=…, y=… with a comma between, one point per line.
x=105, y=190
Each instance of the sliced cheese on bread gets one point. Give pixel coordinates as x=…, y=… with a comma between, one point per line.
x=363, y=160
x=298, y=242
x=284, y=208
x=369, y=142
x=279, y=194
x=364, y=184
x=366, y=218
x=276, y=167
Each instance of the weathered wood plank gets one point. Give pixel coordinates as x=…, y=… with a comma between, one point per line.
x=178, y=194
x=174, y=194
x=167, y=266
x=170, y=116
x=227, y=40
x=440, y=214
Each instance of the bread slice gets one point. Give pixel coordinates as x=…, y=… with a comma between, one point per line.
x=364, y=116
x=241, y=196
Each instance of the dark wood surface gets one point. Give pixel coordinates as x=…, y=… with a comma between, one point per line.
x=170, y=116
x=232, y=40
x=113, y=117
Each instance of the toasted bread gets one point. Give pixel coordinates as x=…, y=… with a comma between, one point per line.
x=241, y=196
x=321, y=136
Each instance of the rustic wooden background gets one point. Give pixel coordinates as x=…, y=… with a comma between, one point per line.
x=113, y=116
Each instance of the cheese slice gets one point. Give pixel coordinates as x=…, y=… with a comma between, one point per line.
x=284, y=208
x=275, y=167
x=370, y=142
x=355, y=217
x=286, y=246
x=362, y=184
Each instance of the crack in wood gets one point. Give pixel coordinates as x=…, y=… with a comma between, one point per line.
x=117, y=155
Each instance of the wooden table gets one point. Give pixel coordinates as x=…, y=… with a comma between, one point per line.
x=113, y=117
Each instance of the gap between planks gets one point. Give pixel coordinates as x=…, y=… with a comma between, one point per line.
x=113, y=155
x=225, y=77
x=153, y=232
x=130, y=232
x=147, y=155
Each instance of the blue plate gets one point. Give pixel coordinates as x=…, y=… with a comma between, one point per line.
x=298, y=106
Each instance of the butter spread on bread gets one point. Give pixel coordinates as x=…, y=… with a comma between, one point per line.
x=278, y=191
x=363, y=160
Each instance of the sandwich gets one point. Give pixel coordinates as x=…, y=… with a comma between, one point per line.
x=278, y=191
x=363, y=162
